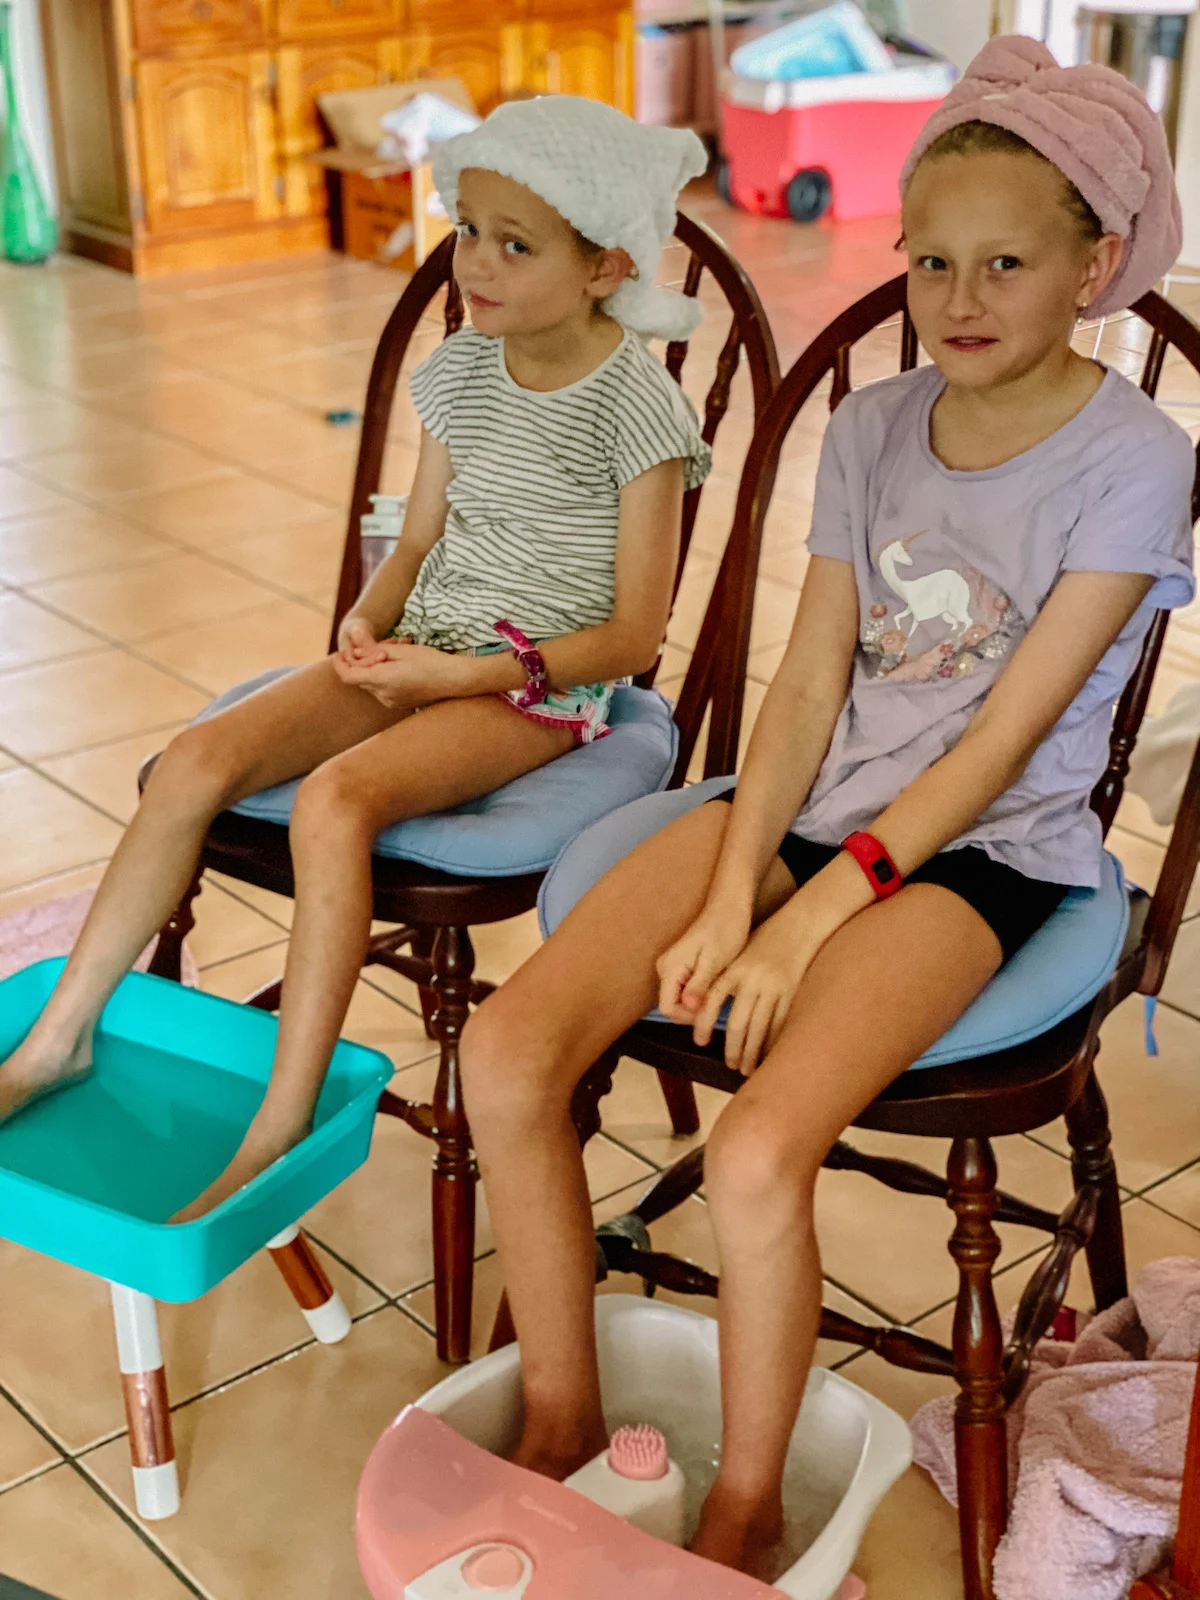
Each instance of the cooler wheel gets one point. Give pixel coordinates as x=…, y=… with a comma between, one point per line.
x=808, y=196
x=724, y=187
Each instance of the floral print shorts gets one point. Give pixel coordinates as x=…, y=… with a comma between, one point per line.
x=583, y=709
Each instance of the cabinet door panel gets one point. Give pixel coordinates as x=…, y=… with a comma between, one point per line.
x=207, y=133
x=168, y=24
x=587, y=54
x=305, y=72
x=304, y=19
x=488, y=60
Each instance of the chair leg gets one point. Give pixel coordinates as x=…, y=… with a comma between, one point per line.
x=422, y=946
x=167, y=961
x=147, y=1410
x=1092, y=1163
x=681, y=1104
x=455, y=1172
x=320, y=1304
x=980, y=1432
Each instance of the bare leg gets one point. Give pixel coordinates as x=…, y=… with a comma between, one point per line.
x=284, y=730
x=929, y=954
x=450, y=752
x=523, y=1053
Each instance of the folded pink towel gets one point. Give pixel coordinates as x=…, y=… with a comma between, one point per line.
x=1098, y=129
x=1096, y=1445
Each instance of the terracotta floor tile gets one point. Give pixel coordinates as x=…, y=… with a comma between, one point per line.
x=283, y=1451
x=155, y=597
x=889, y=1249
x=58, y=1535
x=23, y=496
x=279, y=429
x=56, y=424
x=236, y=505
x=1142, y=862
x=227, y=928
x=300, y=558
x=1182, y=987
x=67, y=542
x=59, y=1355
x=115, y=472
x=48, y=710
x=46, y=830
x=30, y=634
x=1155, y=1122
x=23, y=1450
x=380, y=1218
x=107, y=774
x=686, y=1232
x=275, y=906
x=328, y=476
x=17, y=393
x=217, y=655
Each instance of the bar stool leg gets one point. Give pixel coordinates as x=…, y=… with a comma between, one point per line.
x=147, y=1411
x=320, y=1303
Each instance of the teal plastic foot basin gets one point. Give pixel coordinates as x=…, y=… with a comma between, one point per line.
x=91, y=1174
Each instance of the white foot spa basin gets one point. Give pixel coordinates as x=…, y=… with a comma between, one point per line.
x=658, y=1364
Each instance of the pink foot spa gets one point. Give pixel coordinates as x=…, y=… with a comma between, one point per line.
x=441, y=1516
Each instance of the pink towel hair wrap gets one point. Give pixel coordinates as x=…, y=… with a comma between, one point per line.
x=1097, y=129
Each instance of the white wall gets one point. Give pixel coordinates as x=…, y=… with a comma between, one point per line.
x=31, y=90
x=956, y=28
x=1187, y=148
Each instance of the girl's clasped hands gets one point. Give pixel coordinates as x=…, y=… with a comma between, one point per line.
x=398, y=673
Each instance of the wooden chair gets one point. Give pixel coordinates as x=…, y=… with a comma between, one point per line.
x=433, y=911
x=971, y=1101
x=1181, y=1579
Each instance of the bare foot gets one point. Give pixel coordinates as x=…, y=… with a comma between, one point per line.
x=35, y=1070
x=559, y=1457
x=741, y=1534
x=264, y=1144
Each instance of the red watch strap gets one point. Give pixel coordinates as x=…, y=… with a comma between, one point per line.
x=882, y=873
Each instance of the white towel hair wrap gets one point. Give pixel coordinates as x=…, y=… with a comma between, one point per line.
x=612, y=179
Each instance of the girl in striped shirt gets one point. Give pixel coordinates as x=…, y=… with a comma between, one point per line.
x=534, y=569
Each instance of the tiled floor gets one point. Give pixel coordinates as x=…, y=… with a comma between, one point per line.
x=171, y=505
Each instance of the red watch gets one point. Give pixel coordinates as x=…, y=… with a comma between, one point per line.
x=530, y=657
x=883, y=874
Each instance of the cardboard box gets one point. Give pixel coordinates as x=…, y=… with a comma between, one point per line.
x=390, y=214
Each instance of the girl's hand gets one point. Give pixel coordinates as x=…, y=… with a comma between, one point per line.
x=403, y=676
x=356, y=635
x=688, y=969
x=762, y=983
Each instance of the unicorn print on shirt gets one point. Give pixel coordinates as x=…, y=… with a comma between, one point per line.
x=951, y=620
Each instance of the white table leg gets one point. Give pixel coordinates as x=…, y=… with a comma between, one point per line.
x=147, y=1410
x=320, y=1304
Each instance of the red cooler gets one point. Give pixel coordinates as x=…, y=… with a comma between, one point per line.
x=811, y=147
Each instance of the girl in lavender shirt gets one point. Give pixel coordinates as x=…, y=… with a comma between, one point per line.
x=991, y=536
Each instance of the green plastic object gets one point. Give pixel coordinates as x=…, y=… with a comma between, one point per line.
x=90, y=1175
x=29, y=231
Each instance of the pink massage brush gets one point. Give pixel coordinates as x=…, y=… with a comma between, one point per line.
x=639, y=1452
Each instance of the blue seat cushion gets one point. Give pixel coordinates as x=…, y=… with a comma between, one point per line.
x=523, y=826
x=1063, y=966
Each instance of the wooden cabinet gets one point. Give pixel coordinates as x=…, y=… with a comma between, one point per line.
x=299, y=19
x=588, y=54
x=207, y=142
x=487, y=58
x=305, y=72
x=197, y=24
x=183, y=127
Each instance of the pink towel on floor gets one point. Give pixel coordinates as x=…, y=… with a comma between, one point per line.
x=1096, y=1445
x=51, y=927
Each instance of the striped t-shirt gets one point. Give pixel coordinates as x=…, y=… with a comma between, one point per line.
x=531, y=533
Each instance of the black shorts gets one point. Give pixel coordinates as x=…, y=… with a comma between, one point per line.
x=1013, y=906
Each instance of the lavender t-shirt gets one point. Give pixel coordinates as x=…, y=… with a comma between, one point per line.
x=952, y=570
